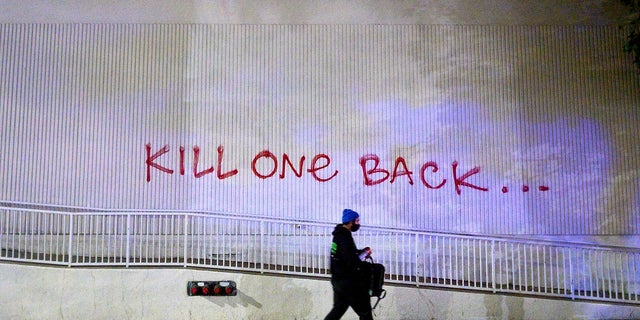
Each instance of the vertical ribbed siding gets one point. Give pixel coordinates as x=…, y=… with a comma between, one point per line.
x=81, y=101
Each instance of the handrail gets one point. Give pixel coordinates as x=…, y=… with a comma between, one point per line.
x=83, y=237
x=60, y=209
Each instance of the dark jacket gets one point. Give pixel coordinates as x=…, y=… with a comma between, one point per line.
x=344, y=255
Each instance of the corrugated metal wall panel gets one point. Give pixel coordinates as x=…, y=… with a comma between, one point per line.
x=529, y=106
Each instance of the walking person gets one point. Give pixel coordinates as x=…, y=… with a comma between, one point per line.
x=348, y=273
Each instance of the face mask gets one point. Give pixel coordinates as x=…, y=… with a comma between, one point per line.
x=355, y=227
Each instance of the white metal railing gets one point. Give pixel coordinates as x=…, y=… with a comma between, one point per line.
x=76, y=237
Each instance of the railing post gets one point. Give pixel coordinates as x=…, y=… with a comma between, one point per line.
x=493, y=266
x=184, y=258
x=70, y=247
x=128, y=240
x=417, y=253
x=571, y=275
x=261, y=246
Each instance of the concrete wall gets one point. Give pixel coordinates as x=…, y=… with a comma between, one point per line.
x=33, y=292
x=529, y=12
x=516, y=125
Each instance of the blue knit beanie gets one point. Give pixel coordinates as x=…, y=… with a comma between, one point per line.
x=349, y=215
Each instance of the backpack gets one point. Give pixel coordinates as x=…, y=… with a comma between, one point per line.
x=376, y=280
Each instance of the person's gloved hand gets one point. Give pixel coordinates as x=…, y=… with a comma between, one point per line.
x=365, y=253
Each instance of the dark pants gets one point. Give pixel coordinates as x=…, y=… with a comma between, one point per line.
x=350, y=293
